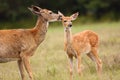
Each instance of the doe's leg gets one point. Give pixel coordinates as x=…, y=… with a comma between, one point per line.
x=28, y=67
x=21, y=68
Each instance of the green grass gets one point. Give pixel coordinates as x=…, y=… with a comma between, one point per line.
x=50, y=61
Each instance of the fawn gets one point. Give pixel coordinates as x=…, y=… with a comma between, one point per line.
x=20, y=44
x=85, y=42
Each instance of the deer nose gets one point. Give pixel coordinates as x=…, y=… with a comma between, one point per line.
x=70, y=25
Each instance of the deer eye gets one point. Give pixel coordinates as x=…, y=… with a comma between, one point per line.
x=65, y=21
x=50, y=13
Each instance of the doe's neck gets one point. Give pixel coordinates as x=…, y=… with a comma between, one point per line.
x=40, y=29
x=41, y=22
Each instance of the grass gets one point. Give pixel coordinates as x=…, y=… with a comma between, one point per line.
x=50, y=61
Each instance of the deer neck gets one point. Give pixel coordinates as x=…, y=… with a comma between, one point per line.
x=40, y=29
x=68, y=36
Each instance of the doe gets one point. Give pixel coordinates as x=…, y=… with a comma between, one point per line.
x=20, y=44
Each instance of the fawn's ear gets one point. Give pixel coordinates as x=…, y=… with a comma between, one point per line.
x=74, y=16
x=60, y=13
x=35, y=9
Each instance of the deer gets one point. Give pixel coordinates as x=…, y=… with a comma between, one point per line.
x=85, y=42
x=20, y=44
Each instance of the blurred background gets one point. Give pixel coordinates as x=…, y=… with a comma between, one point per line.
x=14, y=10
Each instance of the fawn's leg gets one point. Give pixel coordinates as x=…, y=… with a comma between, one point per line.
x=79, y=65
x=21, y=68
x=71, y=66
x=90, y=55
x=97, y=60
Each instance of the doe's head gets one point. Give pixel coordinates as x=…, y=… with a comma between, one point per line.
x=45, y=13
x=66, y=20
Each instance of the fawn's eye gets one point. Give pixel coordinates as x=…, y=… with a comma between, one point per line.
x=65, y=21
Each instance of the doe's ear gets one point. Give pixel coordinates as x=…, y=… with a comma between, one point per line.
x=74, y=16
x=35, y=9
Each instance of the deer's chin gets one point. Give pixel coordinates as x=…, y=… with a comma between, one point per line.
x=53, y=20
x=67, y=28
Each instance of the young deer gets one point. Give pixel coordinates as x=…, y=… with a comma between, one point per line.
x=20, y=44
x=80, y=43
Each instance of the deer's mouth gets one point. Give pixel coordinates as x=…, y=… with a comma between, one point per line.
x=59, y=18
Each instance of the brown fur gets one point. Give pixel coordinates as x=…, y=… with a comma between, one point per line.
x=20, y=44
x=85, y=42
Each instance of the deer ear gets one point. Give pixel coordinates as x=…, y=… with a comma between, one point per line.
x=35, y=9
x=60, y=13
x=74, y=16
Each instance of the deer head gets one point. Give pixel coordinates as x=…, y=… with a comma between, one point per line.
x=45, y=13
x=67, y=21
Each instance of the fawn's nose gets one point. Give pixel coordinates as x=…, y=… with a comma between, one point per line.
x=70, y=25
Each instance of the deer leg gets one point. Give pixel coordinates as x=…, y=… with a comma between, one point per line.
x=79, y=65
x=97, y=60
x=21, y=68
x=27, y=67
x=91, y=56
x=71, y=67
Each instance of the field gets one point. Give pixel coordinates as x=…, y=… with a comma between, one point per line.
x=50, y=61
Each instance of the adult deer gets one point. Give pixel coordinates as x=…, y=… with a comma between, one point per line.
x=20, y=44
x=80, y=43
